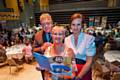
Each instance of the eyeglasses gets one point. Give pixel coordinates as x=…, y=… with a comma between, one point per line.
x=76, y=24
x=60, y=34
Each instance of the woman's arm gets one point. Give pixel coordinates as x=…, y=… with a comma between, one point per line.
x=90, y=53
x=86, y=67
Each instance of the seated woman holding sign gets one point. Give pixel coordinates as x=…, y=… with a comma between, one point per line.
x=62, y=61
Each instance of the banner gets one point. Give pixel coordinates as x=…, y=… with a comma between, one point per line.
x=91, y=21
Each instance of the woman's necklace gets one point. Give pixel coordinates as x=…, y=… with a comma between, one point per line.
x=58, y=50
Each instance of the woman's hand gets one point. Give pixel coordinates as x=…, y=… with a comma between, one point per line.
x=45, y=46
x=47, y=75
x=73, y=75
x=61, y=76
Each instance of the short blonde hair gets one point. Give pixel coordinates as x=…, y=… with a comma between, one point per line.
x=45, y=16
x=60, y=28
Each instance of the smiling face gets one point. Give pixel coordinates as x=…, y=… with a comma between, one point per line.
x=46, y=22
x=76, y=25
x=58, y=34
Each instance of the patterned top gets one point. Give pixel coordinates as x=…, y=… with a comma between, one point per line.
x=59, y=64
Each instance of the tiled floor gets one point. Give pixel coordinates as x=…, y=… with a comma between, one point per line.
x=27, y=73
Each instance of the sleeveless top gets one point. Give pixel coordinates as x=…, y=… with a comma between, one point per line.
x=62, y=59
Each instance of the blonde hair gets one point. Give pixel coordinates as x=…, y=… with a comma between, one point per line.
x=45, y=16
x=60, y=28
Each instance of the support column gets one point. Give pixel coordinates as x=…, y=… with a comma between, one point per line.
x=44, y=5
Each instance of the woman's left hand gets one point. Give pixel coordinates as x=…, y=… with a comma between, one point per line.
x=61, y=76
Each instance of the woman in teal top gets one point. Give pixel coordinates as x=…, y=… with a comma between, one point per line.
x=83, y=46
